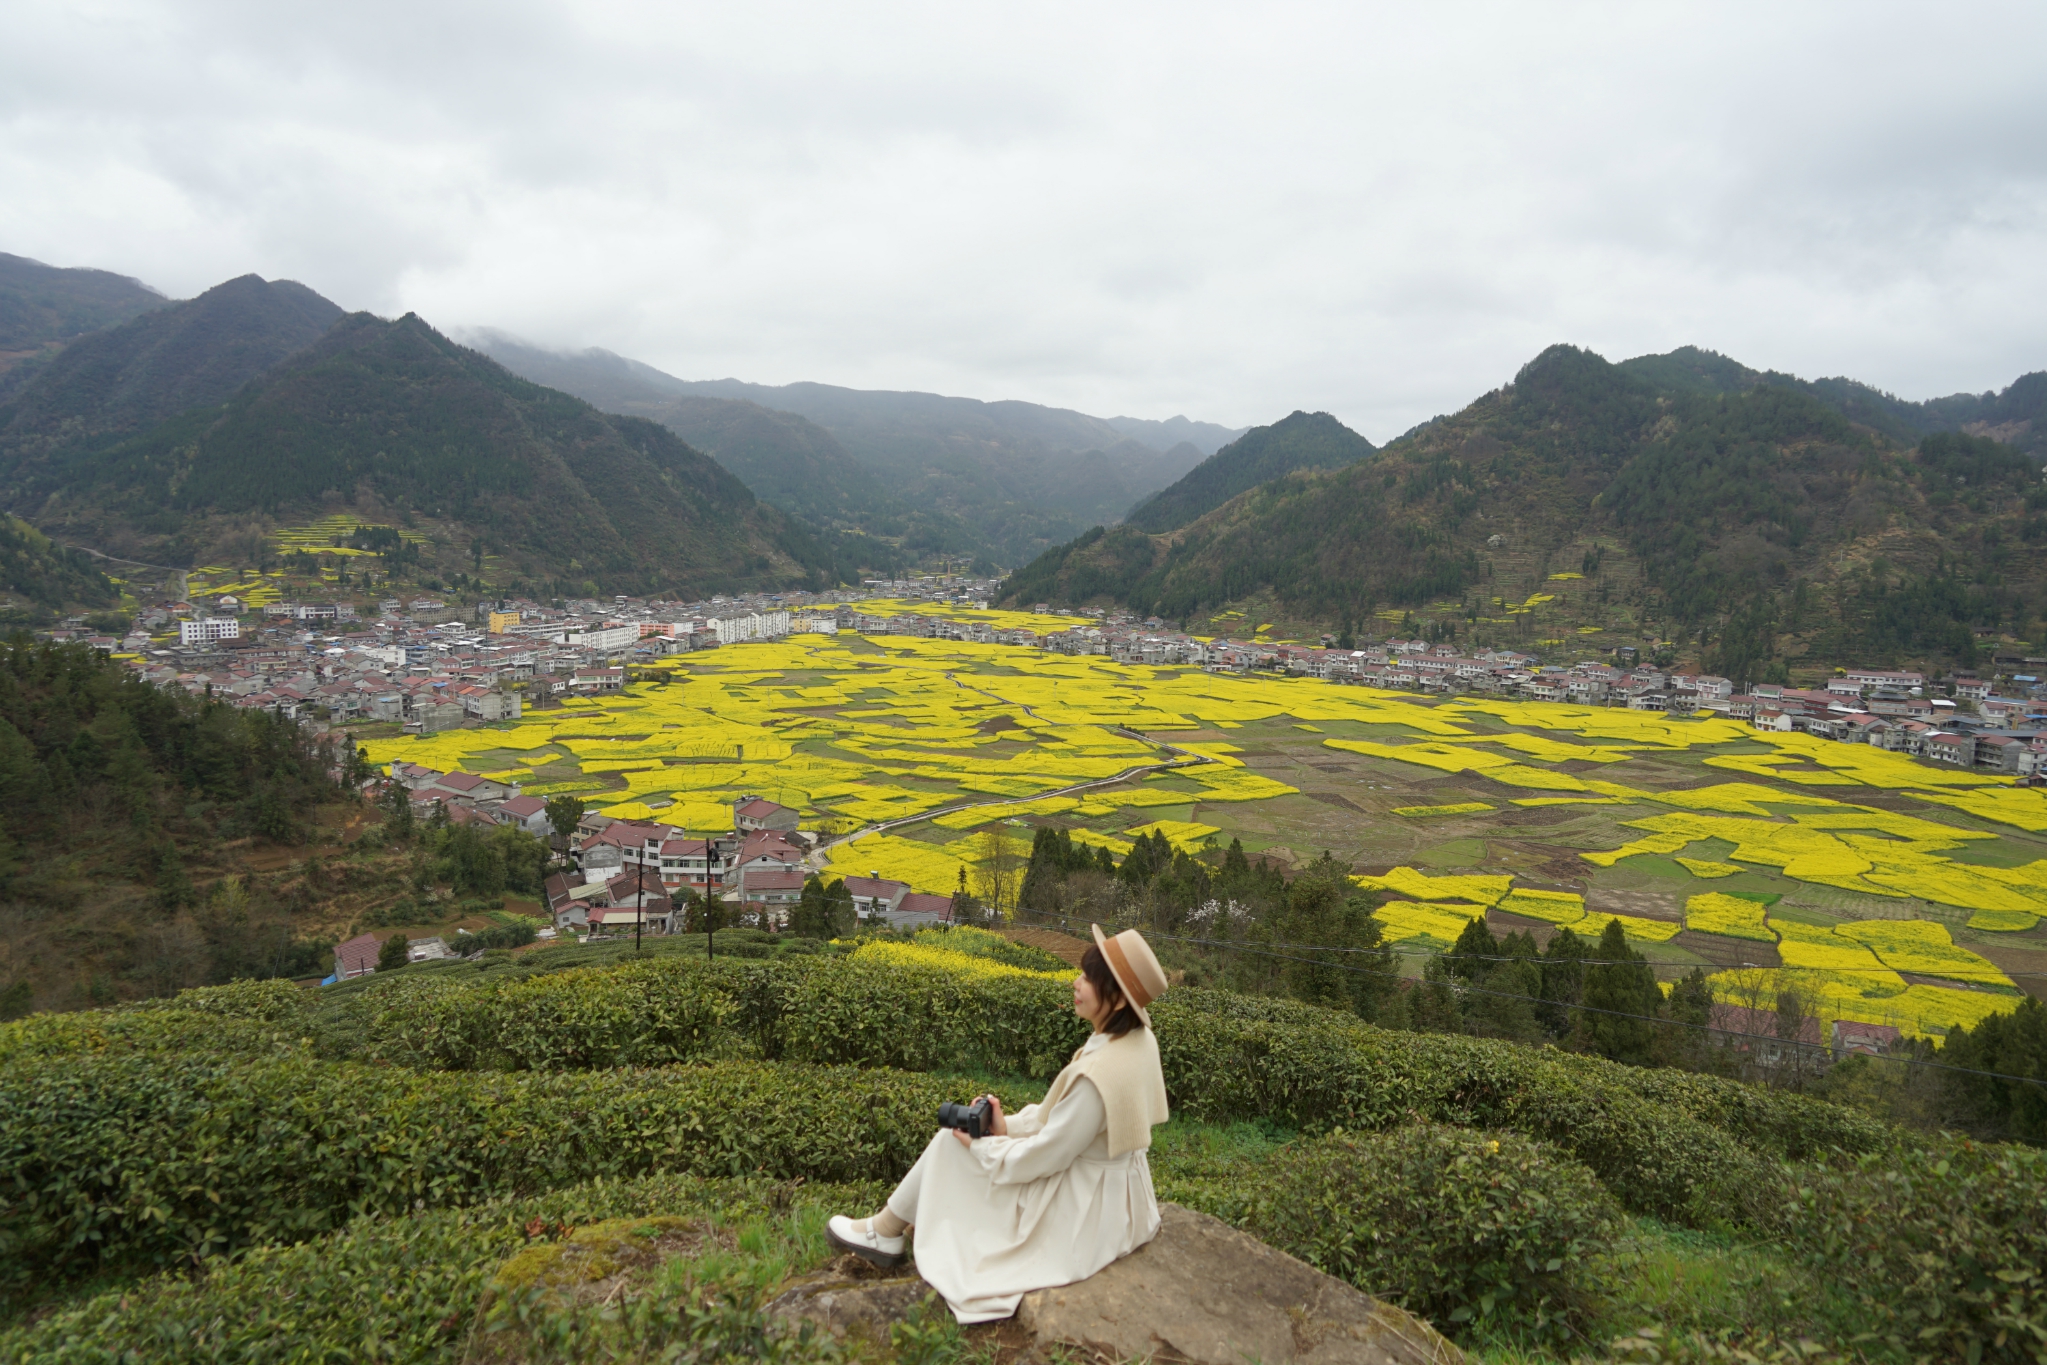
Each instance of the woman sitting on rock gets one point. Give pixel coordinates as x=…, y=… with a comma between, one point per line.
x=1062, y=1188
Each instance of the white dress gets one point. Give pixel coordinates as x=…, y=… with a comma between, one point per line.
x=1046, y=1205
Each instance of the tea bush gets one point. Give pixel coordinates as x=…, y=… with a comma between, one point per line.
x=1691, y=1148
x=641, y=1014
x=1476, y=1231
x=170, y=1158
x=379, y=1288
x=1944, y=1245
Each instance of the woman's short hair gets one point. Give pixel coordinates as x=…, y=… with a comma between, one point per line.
x=1095, y=968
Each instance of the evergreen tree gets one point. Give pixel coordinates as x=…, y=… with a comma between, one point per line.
x=1471, y=957
x=2010, y=1045
x=1689, y=1010
x=173, y=887
x=391, y=953
x=1622, y=1000
x=1434, y=1005
x=398, y=819
x=1562, y=983
x=812, y=917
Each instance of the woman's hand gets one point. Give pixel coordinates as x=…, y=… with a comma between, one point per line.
x=998, y=1126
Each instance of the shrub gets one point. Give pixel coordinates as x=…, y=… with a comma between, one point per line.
x=1680, y=1146
x=1310, y=1070
x=156, y=1032
x=641, y=1014
x=169, y=1159
x=380, y=1288
x=863, y=1012
x=1473, y=1229
x=1943, y=1245
x=272, y=1001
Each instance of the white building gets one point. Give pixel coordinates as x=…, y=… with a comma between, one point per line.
x=603, y=639
x=755, y=625
x=206, y=632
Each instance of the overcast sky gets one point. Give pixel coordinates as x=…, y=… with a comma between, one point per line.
x=1224, y=211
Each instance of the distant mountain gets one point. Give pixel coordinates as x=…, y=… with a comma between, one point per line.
x=38, y=577
x=391, y=421
x=41, y=303
x=1006, y=479
x=42, y=307
x=1301, y=441
x=1679, y=502
x=786, y=459
x=2017, y=417
x=1206, y=437
x=117, y=382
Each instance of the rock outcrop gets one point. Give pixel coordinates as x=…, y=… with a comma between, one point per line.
x=1200, y=1292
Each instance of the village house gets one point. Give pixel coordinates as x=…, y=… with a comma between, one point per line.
x=756, y=812
x=1875, y=1040
x=356, y=957
x=876, y=895
x=528, y=813
x=919, y=910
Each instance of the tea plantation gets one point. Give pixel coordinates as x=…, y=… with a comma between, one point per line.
x=257, y=1172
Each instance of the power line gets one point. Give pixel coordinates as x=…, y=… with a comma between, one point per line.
x=1561, y=1004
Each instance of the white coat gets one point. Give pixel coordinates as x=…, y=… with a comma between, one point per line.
x=1046, y=1205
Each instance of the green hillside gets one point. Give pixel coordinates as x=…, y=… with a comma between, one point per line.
x=38, y=578
x=1750, y=523
x=1300, y=441
x=42, y=307
x=117, y=382
x=392, y=421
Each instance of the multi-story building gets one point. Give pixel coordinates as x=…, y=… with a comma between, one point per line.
x=209, y=631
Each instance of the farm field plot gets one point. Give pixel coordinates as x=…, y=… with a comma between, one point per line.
x=1712, y=845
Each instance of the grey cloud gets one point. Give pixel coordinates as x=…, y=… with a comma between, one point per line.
x=1220, y=210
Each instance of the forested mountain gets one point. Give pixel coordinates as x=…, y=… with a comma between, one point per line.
x=38, y=577
x=112, y=792
x=999, y=479
x=120, y=381
x=42, y=307
x=1672, y=498
x=1301, y=441
x=392, y=421
x=785, y=459
x=2016, y=417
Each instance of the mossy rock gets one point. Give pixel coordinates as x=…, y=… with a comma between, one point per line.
x=591, y=1263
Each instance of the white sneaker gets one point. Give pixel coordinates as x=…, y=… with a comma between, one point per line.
x=860, y=1239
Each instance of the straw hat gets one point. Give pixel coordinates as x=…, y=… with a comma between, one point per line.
x=1135, y=968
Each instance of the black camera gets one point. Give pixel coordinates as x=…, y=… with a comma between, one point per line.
x=976, y=1120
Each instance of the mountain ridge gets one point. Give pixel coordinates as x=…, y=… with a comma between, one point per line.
x=1003, y=478
x=1298, y=441
x=115, y=382
x=1748, y=523
x=390, y=420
